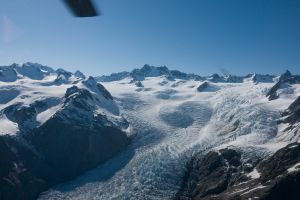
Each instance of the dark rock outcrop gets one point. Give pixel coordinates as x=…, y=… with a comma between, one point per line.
x=23, y=174
x=203, y=86
x=139, y=84
x=285, y=80
x=207, y=87
x=292, y=114
x=224, y=174
x=212, y=173
x=279, y=162
x=71, y=149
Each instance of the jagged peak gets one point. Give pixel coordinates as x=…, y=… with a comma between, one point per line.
x=37, y=71
x=89, y=82
x=34, y=67
x=76, y=91
x=287, y=74
x=79, y=74
x=148, y=71
x=148, y=67
x=139, y=74
x=62, y=71
x=92, y=84
x=262, y=78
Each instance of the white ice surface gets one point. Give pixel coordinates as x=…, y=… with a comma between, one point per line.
x=254, y=174
x=7, y=127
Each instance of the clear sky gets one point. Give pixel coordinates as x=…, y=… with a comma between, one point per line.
x=200, y=36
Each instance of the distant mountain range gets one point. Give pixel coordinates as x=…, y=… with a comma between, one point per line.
x=151, y=71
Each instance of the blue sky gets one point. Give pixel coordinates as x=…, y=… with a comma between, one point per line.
x=200, y=36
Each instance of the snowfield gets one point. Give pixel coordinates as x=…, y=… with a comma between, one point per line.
x=169, y=121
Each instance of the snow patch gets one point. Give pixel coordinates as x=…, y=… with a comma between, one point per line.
x=253, y=189
x=254, y=174
x=8, y=127
x=45, y=115
x=294, y=168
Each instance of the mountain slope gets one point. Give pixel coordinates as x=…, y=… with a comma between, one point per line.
x=54, y=126
x=224, y=174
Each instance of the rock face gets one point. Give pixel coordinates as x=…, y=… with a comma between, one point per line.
x=83, y=131
x=292, y=114
x=213, y=173
x=285, y=81
x=139, y=84
x=229, y=174
x=203, y=86
x=8, y=74
x=70, y=150
x=81, y=141
x=23, y=173
x=207, y=87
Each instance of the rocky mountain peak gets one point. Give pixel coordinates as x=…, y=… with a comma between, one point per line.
x=79, y=74
x=287, y=74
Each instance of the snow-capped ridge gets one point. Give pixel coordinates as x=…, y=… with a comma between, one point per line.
x=284, y=84
x=258, y=78
x=292, y=113
x=65, y=77
x=8, y=74
x=97, y=87
x=27, y=102
x=139, y=74
x=207, y=87
x=26, y=116
x=36, y=71
x=79, y=74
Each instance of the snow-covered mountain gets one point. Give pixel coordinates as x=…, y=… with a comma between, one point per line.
x=191, y=137
x=151, y=71
x=54, y=125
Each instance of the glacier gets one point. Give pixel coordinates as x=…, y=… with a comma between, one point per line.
x=164, y=113
x=169, y=125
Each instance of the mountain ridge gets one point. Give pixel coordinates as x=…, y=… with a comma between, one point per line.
x=37, y=71
x=139, y=74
